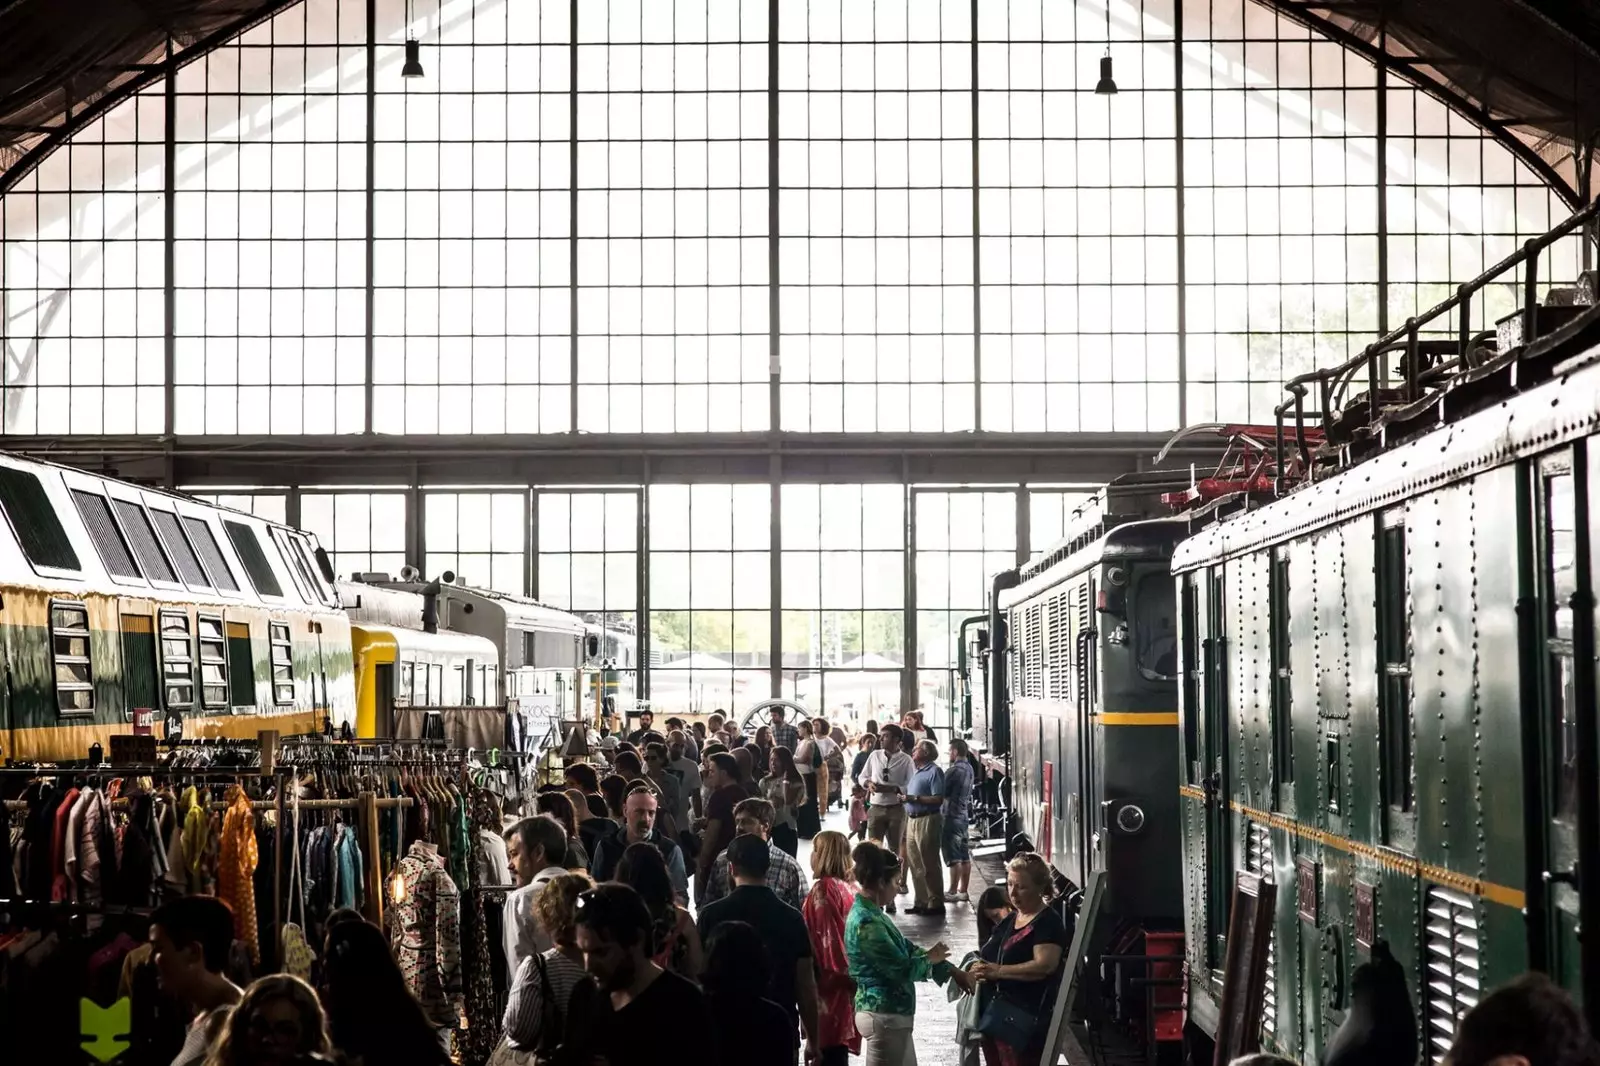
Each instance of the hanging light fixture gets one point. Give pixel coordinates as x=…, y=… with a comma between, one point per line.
x=1107, y=85
x=413, y=67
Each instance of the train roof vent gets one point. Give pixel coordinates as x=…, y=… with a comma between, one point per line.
x=1454, y=966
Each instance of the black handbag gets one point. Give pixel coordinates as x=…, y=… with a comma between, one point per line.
x=1008, y=1023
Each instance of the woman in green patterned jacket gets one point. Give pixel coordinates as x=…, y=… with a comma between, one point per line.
x=884, y=965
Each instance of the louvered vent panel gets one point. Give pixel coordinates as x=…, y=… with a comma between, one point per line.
x=103, y=531
x=1034, y=663
x=1258, y=860
x=1057, y=688
x=1453, y=966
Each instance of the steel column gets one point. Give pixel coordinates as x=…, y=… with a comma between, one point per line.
x=909, y=682
x=1180, y=183
x=370, y=194
x=530, y=557
x=775, y=572
x=977, y=229
x=572, y=216
x=169, y=255
x=641, y=575
x=774, y=386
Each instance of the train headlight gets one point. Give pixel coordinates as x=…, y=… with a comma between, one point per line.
x=1130, y=819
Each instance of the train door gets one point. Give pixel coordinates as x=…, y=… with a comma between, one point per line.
x=1564, y=690
x=383, y=700
x=1213, y=743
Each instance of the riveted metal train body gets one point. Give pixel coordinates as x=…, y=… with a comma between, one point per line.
x=1089, y=636
x=1388, y=710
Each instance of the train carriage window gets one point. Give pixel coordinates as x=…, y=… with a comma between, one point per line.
x=69, y=645
x=146, y=545
x=436, y=685
x=1282, y=683
x=254, y=559
x=282, y=662
x=177, y=660
x=210, y=551
x=454, y=696
x=33, y=518
x=183, y=552
x=213, y=661
x=1560, y=580
x=241, y=666
x=108, y=539
x=1394, y=662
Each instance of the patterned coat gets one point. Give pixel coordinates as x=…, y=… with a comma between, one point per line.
x=427, y=935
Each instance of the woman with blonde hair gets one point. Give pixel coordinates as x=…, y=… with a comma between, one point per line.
x=1022, y=959
x=278, y=1022
x=825, y=911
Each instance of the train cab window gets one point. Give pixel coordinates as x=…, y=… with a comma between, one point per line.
x=1155, y=633
x=1394, y=662
x=33, y=518
x=1282, y=682
x=282, y=662
x=213, y=661
x=1560, y=580
x=241, y=666
x=177, y=660
x=296, y=566
x=69, y=644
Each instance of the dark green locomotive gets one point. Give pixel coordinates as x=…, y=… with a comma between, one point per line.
x=1388, y=699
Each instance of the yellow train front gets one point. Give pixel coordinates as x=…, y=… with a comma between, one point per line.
x=119, y=602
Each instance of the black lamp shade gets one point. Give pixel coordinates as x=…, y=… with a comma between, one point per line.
x=1107, y=86
x=413, y=67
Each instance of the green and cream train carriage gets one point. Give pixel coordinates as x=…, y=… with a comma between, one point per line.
x=116, y=598
x=1388, y=709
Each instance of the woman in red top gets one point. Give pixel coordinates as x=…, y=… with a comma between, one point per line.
x=825, y=909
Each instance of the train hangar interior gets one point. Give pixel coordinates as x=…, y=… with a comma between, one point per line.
x=761, y=335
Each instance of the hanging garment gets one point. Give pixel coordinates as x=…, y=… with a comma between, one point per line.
x=236, y=869
x=427, y=938
x=61, y=880
x=96, y=851
x=350, y=868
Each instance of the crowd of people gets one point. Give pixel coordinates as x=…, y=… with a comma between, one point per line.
x=641, y=913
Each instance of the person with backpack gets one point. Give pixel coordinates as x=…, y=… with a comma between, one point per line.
x=553, y=996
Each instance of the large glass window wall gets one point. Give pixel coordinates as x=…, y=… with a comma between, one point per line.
x=363, y=532
x=843, y=592
x=632, y=222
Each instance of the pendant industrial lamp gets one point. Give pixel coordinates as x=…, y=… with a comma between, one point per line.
x=1107, y=85
x=413, y=67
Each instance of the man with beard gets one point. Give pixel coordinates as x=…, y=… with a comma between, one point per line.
x=641, y=1005
x=639, y=816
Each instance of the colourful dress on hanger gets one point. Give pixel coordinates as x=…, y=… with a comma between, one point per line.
x=237, y=867
x=427, y=937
